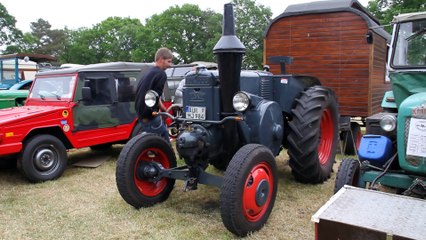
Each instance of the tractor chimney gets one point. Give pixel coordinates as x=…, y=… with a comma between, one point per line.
x=229, y=53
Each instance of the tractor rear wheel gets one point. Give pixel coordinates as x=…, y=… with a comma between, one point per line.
x=313, y=135
x=139, y=187
x=348, y=174
x=249, y=189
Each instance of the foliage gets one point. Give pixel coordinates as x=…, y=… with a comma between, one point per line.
x=111, y=40
x=385, y=10
x=42, y=40
x=8, y=32
x=251, y=21
x=186, y=30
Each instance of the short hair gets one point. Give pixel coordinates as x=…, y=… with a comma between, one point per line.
x=163, y=53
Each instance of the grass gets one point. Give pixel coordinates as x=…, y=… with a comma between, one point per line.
x=85, y=204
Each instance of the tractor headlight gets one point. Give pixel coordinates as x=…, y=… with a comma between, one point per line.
x=241, y=101
x=151, y=98
x=388, y=123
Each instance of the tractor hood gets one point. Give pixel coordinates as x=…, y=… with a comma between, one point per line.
x=405, y=84
x=16, y=114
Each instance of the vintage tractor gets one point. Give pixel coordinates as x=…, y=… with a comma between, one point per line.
x=393, y=153
x=237, y=121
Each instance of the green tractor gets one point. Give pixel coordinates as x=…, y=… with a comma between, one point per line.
x=392, y=154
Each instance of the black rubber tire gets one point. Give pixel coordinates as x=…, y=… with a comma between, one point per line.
x=101, y=147
x=241, y=213
x=312, y=150
x=138, y=192
x=348, y=174
x=356, y=134
x=43, y=158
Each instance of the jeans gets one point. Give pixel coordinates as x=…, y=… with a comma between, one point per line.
x=156, y=126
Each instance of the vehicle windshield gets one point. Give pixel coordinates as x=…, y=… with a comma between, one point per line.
x=410, y=50
x=55, y=88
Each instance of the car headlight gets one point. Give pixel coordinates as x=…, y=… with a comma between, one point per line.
x=241, y=101
x=388, y=123
x=151, y=98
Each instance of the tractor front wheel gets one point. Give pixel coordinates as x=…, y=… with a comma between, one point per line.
x=313, y=135
x=137, y=170
x=348, y=174
x=249, y=189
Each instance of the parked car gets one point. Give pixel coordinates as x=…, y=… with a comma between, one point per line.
x=15, y=95
x=87, y=106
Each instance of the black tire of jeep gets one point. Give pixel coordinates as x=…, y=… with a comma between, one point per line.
x=249, y=189
x=44, y=158
x=349, y=139
x=145, y=147
x=348, y=174
x=313, y=135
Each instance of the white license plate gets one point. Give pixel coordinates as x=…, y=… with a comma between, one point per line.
x=416, y=144
x=196, y=113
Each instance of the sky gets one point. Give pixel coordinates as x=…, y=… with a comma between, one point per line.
x=74, y=14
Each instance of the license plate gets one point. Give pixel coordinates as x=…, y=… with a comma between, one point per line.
x=416, y=144
x=196, y=113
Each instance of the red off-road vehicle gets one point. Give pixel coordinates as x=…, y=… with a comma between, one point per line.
x=87, y=106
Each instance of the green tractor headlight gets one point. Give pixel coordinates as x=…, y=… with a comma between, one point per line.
x=388, y=123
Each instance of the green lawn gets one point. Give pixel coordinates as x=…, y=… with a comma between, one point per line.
x=85, y=204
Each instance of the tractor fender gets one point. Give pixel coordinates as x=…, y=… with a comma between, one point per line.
x=288, y=88
x=264, y=124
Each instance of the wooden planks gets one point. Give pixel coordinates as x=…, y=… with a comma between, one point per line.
x=333, y=47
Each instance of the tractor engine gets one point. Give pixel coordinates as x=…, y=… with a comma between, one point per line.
x=201, y=96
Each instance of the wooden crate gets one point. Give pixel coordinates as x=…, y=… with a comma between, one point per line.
x=355, y=213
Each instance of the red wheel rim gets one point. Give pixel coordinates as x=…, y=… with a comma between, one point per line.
x=326, y=137
x=259, y=176
x=148, y=188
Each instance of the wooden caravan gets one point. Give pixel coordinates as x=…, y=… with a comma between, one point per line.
x=339, y=42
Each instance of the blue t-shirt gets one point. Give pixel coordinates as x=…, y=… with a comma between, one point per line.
x=154, y=79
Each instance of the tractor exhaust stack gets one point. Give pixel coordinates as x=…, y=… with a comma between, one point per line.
x=229, y=52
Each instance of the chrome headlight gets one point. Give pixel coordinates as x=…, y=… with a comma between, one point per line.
x=241, y=101
x=388, y=123
x=151, y=98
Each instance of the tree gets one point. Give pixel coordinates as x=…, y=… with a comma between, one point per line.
x=42, y=39
x=114, y=39
x=251, y=21
x=8, y=31
x=188, y=31
x=385, y=10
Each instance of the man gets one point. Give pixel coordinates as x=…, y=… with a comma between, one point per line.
x=154, y=79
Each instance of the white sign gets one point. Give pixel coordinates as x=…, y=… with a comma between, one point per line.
x=196, y=113
x=416, y=145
